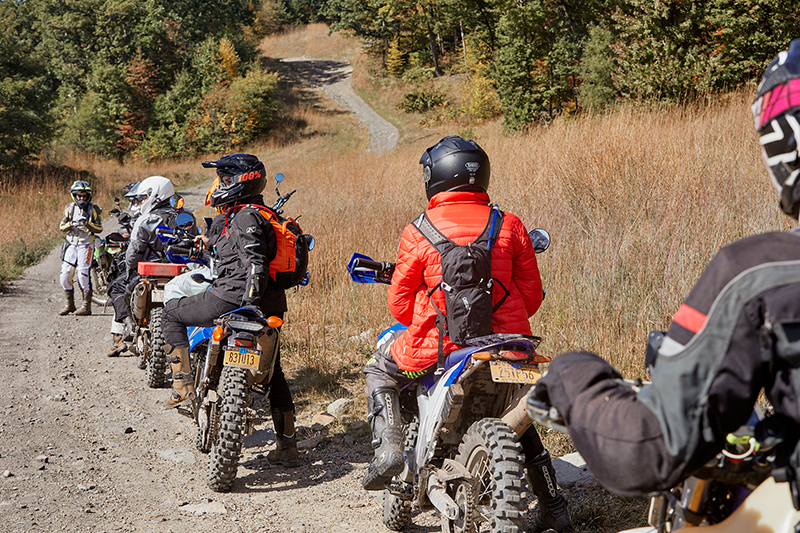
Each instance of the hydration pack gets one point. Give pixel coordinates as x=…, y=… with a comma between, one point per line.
x=290, y=266
x=467, y=281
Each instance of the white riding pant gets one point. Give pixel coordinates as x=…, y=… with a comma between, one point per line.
x=79, y=257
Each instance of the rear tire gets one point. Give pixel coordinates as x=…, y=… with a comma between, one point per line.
x=224, y=459
x=491, y=452
x=157, y=361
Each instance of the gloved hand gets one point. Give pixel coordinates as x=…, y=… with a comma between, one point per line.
x=253, y=306
x=567, y=376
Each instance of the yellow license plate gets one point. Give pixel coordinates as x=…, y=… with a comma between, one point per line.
x=242, y=357
x=505, y=372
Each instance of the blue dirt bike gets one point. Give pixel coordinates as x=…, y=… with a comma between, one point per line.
x=462, y=427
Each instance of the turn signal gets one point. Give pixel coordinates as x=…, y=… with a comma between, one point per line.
x=217, y=333
x=482, y=356
x=274, y=322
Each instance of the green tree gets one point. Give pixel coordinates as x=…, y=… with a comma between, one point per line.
x=25, y=92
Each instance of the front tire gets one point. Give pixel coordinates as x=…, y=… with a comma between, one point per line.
x=224, y=459
x=99, y=287
x=491, y=452
x=157, y=359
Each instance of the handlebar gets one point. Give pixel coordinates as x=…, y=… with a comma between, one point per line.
x=366, y=270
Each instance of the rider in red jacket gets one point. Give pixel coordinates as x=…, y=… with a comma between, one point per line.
x=456, y=174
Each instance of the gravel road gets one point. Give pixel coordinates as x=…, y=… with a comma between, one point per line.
x=86, y=446
x=332, y=77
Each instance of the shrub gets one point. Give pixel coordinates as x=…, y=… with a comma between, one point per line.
x=421, y=101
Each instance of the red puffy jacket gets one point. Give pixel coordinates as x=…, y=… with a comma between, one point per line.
x=461, y=216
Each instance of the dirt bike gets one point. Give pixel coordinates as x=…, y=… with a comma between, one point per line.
x=147, y=302
x=228, y=369
x=462, y=427
x=108, y=251
x=738, y=490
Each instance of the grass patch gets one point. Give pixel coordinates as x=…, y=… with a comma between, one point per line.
x=19, y=255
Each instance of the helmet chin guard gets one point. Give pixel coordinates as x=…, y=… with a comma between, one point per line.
x=777, y=120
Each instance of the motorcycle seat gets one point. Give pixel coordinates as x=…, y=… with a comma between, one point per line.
x=454, y=358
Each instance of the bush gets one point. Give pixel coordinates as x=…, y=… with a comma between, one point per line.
x=421, y=101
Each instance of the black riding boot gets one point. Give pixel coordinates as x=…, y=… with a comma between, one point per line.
x=387, y=438
x=552, y=504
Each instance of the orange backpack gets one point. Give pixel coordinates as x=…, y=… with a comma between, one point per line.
x=290, y=266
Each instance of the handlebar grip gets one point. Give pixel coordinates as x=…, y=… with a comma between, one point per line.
x=367, y=263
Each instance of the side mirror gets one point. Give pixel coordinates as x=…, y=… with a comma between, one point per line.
x=540, y=240
x=176, y=201
x=279, y=177
x=184, y=221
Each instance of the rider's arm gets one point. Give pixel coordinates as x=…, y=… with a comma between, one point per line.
x=258, y=248
x=93, y=223
x=525, y=270
x=408, y=278
x=143, y=240
x=66, y=221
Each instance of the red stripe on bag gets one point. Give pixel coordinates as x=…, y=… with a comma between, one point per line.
x=690, y=318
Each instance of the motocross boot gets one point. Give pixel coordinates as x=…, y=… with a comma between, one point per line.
x=86, y=308
x=70, y=303
x=387, y=438
x=553, y=513
x=182, y=380
x=285, y=452
x=118, y=346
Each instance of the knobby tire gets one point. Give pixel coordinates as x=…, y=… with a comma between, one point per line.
x=157, y=361
x=491, y=452
x=224, y=458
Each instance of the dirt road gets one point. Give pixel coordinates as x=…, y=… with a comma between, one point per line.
x=332, y=77
x=86, y=446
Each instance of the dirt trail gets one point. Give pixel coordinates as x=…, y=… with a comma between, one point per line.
x=332, y=76
x=86, y=446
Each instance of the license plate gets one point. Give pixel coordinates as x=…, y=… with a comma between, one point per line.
x=505, y=372
x=242, y=357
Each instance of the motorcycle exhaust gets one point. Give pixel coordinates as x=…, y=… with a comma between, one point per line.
x=139, y=301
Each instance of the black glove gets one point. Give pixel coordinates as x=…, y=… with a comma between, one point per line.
x=567, y=376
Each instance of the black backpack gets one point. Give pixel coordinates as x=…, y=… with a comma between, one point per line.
x=467, y=281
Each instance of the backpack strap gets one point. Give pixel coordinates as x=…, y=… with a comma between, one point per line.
x=438, y=240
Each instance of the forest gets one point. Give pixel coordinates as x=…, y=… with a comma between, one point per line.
x=150, y=80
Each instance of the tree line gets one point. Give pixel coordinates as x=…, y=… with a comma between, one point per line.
x=547, y=57
x=131, y=78
x=153, y=78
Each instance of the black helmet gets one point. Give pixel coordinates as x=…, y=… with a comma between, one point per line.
x=81, y=186
x=777, y=114
x=454, y=163
x=240, y=176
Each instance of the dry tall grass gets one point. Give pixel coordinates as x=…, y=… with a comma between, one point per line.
x=637, y=202
x=311, y=40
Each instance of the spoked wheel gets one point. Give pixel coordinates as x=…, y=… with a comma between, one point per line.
x=99, y=287
x=464, y=498
x=157, y=359
x=493, y=456
x=224, y=458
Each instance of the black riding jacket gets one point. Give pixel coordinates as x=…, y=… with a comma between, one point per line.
x=735, y=334
x=245, y=243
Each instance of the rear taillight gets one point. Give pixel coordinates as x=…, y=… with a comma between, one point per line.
x=243, y=343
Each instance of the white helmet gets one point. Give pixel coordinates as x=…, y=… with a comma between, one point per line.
x=154, y=191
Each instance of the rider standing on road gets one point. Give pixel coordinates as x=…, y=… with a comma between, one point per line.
x=81, y=222
x=245, y=243
x=736, y=333
x=153, y=200
x=456, y=174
